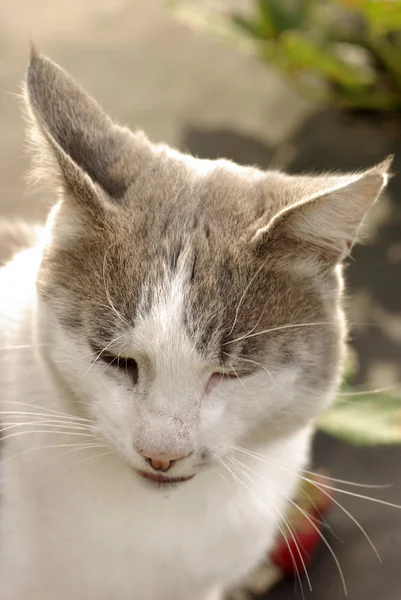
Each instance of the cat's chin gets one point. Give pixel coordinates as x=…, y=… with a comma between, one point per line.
x=159, y=480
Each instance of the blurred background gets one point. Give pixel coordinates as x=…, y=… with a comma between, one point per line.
x=304, y=85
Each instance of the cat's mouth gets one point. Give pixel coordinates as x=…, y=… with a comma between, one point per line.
x=160, y=479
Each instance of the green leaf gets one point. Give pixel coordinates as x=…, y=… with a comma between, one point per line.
x=302, y=52
x=304, y=39
x=382, y=15
x=280, y=15
x=351, y=367
x=251, y=28
x=364, y=420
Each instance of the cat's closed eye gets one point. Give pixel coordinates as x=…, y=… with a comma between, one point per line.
x=217, y=378
x=127, y=365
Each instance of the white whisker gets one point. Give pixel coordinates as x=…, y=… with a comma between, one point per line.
x=322, y=537
x=93, y=457
x=353, y=519
x=47, y=447
x=342, y=481
x=84, y=446
x=50, y=410
x=10, y=435
x=281, y=328
x=44, y=423
x=76, y=358
x=244, y=386
x=100, y=354
x=215, y=470
x=282, y=517
x=323, y=485
x=277, y=525
x=258, y=365
x=71, y=419
x=244, y=294
x=109, y=300
x=389, y=388
x=23, y=346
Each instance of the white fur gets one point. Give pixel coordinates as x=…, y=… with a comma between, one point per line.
x=92, y=529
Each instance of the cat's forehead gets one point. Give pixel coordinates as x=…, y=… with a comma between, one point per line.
x=177, y=289
x=180, y=191
x=177, y=250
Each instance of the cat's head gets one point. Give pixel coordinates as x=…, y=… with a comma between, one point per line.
x=191, y=305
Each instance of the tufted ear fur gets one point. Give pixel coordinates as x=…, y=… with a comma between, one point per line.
x=74, y=141
x=326, y=212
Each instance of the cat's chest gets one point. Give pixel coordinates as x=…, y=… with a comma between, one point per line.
x=149, y=545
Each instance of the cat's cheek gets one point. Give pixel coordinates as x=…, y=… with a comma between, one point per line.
x=220, y=425
x=113, y=411
x=211, y=419
x=214, y=381
x=219, y=379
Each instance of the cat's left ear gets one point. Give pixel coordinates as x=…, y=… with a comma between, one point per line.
x=75, y=144
x=326, y=213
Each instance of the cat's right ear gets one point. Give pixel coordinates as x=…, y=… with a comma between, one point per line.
x=324, y=213
x=75, y=143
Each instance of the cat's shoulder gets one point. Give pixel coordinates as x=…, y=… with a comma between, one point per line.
x=20, y=255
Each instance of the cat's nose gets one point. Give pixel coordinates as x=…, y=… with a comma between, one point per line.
x=161, y=462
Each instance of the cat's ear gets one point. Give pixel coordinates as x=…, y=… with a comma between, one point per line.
x=74, y=141
x=326, y=212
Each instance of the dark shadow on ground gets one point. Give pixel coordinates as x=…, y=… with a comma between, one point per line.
x=366, y=579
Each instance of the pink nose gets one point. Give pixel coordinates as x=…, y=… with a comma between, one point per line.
x=161, y=461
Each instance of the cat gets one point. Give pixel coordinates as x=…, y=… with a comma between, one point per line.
x=170, y=339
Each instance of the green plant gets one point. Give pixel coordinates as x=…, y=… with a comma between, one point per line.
x=363, y=418
x=346, y=52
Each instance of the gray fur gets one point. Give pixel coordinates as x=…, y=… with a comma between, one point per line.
x=183, y=310
x=142, y=208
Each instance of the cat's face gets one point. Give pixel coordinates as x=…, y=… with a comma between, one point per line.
x=191, y=306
